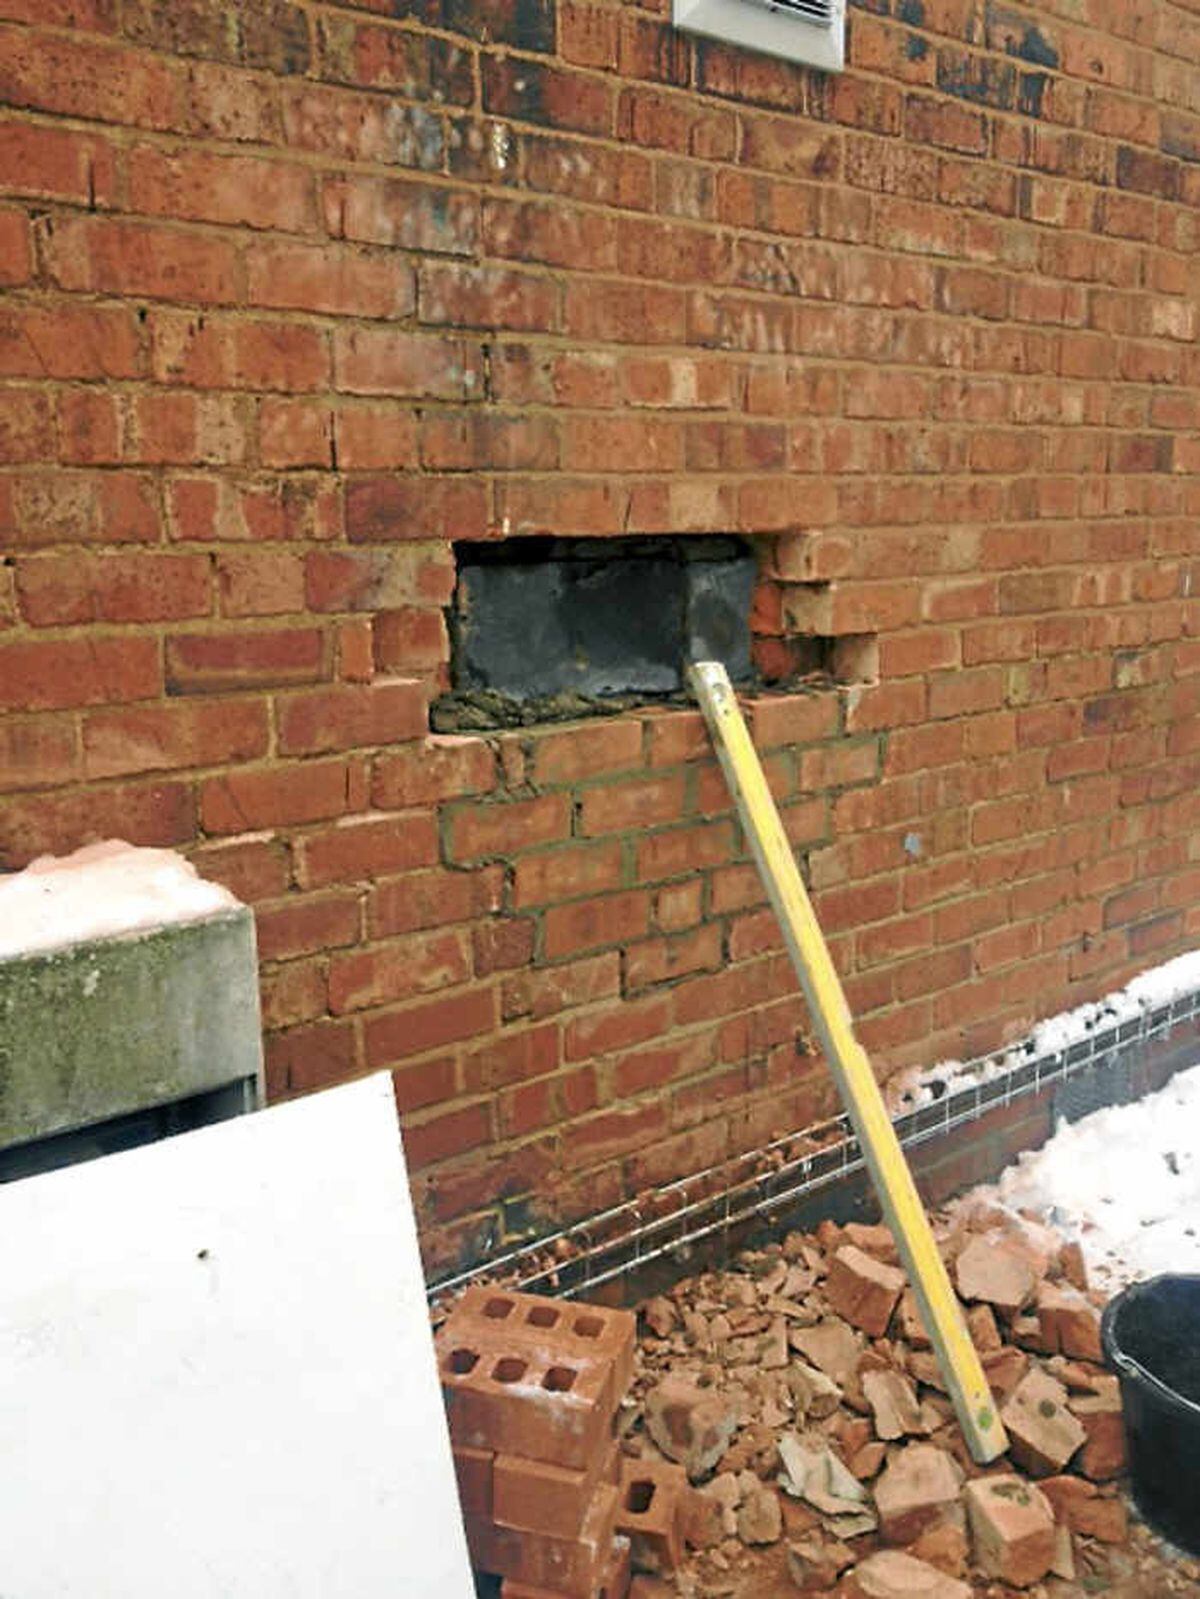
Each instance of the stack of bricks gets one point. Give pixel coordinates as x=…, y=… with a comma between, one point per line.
x=532, y=1387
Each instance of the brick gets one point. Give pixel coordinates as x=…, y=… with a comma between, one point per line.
x=622, y=807
x=16, y=253
x=591, y=750
x=682, y=850
x=409, y=365
x=991, y=1270
x=333, y=278
x=582, y=1331
x=44, y=675
x=92, y=78
x=1103, y=1455
x=443, y=766
x=243, y=801
x=377, y=579
x=37, y=754
x=56, y=163
x=1068, y=1323
x=476, y=832
x=473, y=1470
x=26, y=426
x=494, y=1392
x=61, y=507
x=917, y=1488
x=214, y=352
x=1043, y=1434
x=90, y=426
x=361, y=847
x=792, y=720
x=891, y=1574
x=691, y=1425
x=571, y=873
x=411, y=638
x=98, y=256
x=422, y=899
x=1012, y=1526
x=309, y=1057
x=237, y=190
x=385, y=974
x=430, y=1025
x=386, y=711
x=409, y=216
x=56, y=590
x=427, y=508
x=487, y=297
x=215, y=663
x=650, y=1513
x=254, y=870
x=594, y=923
x=569, y=987
x=161, y=815
x=120, y=742
x=1081, y=1507
x=863, y=1290
x=306, y=925
x=295, y=433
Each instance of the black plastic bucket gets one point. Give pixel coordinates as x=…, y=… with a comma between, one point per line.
x=1151, y=1336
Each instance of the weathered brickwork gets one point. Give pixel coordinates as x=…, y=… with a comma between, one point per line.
x=297, y=293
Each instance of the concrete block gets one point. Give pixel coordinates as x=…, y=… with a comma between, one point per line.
x=99, y=1018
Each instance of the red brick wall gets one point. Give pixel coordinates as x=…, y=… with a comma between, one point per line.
x=298, y=292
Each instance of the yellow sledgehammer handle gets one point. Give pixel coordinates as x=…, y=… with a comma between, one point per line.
x=940, y=1310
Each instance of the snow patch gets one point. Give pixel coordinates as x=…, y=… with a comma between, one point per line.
x=917, y=1086
x=108, y=890
x=1124, y=1181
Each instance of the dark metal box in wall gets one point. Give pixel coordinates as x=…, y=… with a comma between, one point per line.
x=535, y=617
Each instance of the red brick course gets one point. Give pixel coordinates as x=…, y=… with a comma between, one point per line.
x=297, y=296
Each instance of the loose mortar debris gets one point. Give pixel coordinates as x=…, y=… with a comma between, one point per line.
x=800, y=1392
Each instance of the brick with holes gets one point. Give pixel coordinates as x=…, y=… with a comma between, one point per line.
x=588, y=1332
x=515, y=1399
x=650, y=1513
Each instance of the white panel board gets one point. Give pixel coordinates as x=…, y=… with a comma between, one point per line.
x=216, y=1371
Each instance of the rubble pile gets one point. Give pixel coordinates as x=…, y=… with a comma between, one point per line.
x=782, y=1428
x=800, y=1394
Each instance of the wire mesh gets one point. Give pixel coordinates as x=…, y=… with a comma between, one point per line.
x=770, y=1181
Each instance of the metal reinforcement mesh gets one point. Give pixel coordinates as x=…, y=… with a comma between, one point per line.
x=1087, y=1074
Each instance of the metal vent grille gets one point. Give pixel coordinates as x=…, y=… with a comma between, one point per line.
x=771, y=26
x=820, y=12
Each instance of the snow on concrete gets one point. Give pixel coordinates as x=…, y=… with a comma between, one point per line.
x=216, y=1370
x=109, y=890
x=1124, y=1181
x=917, y=1086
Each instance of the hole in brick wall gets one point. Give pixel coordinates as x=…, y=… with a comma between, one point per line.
x=510, y=1369
x=559, y=1379
x=548, y=628
x=497, y=1309
x=639, y=1496
x=542, y=1316
x=588, y=1327
x=462, y=1361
